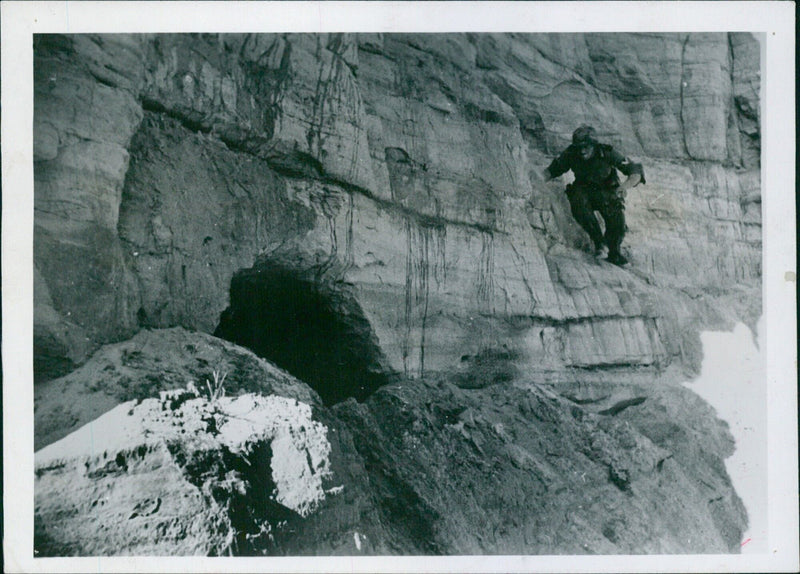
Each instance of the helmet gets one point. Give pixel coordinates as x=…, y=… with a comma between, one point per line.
x=584, y=135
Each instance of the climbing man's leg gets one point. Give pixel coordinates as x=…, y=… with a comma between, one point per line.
x=583, y=213
x=613, y=212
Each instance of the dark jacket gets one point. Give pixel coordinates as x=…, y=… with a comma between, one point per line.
x=598, y=171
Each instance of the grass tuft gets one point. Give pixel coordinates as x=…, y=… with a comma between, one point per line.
x=216, y=389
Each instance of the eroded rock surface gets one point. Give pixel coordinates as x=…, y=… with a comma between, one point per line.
x=367, y=212
x=405, y=167
x=418, y=468
x=183, y=473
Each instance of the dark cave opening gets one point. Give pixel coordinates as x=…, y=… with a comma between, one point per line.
x=316, y=332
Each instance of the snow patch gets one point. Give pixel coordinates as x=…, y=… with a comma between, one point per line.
x=733, y=380
x=300, y=447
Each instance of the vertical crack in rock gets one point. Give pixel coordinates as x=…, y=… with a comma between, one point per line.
x=332, y=77
x=425, y=292
x=268, y=84
x=683, y=87
x=486, y=273
x=408, y=298
x=349, y=256
x=425, y=260
x=734, y=155
x=416, y=292
x=440, y=266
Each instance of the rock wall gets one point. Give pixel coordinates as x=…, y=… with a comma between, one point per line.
x=406, y=167
x=368, y=211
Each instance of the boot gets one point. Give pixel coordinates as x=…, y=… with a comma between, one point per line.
x=598, y=247
x=616, y=258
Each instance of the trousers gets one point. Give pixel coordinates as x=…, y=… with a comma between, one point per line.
x=584, y=200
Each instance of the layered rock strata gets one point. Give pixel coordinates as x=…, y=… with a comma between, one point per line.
x=404, y=169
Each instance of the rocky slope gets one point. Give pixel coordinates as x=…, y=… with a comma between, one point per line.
x=419, y=468
x=366, y=212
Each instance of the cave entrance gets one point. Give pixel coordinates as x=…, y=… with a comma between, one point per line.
x=316, y=332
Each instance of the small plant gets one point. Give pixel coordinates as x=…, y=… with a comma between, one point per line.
x=216, y=390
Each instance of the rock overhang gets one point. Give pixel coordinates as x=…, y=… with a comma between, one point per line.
x=314, y=329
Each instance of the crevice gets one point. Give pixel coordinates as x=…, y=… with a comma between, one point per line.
x=619, y=477
x=242, y=485
x=192, y=124
x=523, y=321
x=652, y=363
x=588, y=401
x=105, y=81
x=732, y=116
x=622, y=405
x=682, y=86
x=425, y=220
x=375, y=50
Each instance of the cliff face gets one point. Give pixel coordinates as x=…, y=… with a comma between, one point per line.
x=367, y=211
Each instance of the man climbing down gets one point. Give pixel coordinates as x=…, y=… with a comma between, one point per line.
x=597, y=188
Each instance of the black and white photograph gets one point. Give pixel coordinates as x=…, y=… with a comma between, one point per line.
x=407, y=286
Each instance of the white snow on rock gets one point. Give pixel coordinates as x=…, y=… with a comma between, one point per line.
x=300, y=447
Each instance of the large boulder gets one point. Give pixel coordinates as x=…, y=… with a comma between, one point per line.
x=186, y=473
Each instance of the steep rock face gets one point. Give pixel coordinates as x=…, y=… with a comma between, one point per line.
x=406, y=167
x=367, y=211
x=86, y=110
